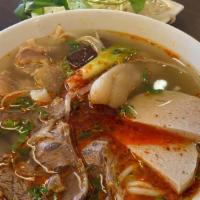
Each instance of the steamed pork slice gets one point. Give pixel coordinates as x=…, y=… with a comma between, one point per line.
x=175, y=111
x=103, y=166
x=114, y=86
x=176, y=163
x=12, y=187
x=31, y=57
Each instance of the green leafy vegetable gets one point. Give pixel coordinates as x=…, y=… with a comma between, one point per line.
x=29, y=8
x=37, y=193
x=127, y=111
x=20, y=11
x=77, y=4
x=137, y=5
x=147, y=84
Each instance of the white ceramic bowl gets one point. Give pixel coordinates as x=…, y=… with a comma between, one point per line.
x=169, y=37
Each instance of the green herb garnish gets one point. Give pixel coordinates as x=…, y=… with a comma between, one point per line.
x=22, y=128
x=127, y=111
x=37, y=193
x=22, y=102
x=73, y=45
x=10, y=124
x=66, y=68
x=25, y=127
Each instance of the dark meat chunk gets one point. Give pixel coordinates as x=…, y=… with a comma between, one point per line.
x=82, y=56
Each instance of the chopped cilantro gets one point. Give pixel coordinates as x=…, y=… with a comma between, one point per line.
x=66, y=68
x=22, y=128
x=127, y=111
x=147, y=84
x=37, y=193
x=73, y=45
x=22, y=102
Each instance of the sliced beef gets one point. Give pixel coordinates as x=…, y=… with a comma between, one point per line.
x=52, y=149
x=31, y=57
x=103, y=164
x=7, y=84
x=50, y=77
x=12, y=187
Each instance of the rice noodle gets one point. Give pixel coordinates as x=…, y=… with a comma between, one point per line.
x=96, y=44
x=25, y=178
x=139, y=184
x=126, y=172
x=144, y=191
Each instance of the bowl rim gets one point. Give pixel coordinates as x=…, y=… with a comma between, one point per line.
x=79, y=11
x=187, y=49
